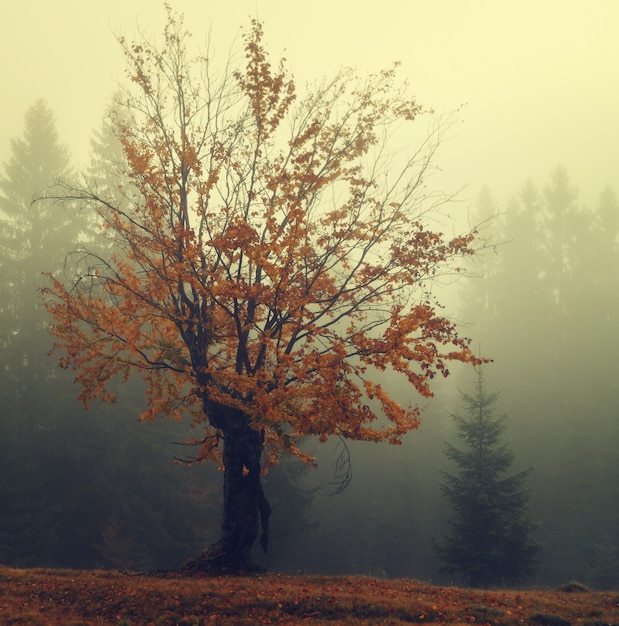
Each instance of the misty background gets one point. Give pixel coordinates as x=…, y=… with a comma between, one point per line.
x=533, y=153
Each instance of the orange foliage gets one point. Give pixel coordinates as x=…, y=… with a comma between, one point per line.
x=273, y=260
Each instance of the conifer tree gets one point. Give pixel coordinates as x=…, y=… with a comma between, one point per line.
x=34, y=237
x=554, y=287
x=490, y=540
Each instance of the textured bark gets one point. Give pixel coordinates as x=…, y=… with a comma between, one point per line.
x=244, y=502
x=245, y=507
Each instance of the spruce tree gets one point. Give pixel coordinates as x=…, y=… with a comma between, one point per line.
x=490, y=540
x=33, y=238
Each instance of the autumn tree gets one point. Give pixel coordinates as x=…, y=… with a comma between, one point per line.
x=274, y=254
x=490, y=539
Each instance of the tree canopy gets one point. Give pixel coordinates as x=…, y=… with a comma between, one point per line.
x=267, y=254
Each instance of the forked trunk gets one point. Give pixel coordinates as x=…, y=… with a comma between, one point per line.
x=245, y=507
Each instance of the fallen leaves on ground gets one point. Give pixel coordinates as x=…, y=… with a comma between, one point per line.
x=44, y=597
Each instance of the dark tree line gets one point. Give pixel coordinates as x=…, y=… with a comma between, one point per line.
x=546, y=307
x=76, y=489
x=85, y=488
x=544, y=304
x=94, y=488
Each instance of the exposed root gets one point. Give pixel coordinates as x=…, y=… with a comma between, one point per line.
x=214, y=562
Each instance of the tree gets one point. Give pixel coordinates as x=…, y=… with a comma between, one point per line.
x=30, y=235
x=273, y=258
x=490, y=539
x=554, y=289
x=603, y=571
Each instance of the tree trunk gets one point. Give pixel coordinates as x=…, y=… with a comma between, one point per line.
x=244, y=502
x=245, y=506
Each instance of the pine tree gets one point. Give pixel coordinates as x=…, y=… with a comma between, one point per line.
x=34, y=237
x=554, y=287
x=490, y=540
x=67, y=497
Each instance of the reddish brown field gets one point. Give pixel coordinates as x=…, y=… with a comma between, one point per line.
x=40, y=597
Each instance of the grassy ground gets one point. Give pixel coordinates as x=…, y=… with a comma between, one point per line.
x=40, y=597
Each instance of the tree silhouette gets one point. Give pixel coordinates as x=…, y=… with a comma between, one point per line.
x=554, y=288
x=272, y=258
x=490, y=539
x=30, y=238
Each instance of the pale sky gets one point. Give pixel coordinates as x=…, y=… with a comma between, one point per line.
x=540, y=79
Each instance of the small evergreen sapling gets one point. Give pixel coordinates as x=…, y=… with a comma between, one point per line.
x=490, y=540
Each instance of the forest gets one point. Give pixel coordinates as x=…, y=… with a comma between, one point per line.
x=97, y=488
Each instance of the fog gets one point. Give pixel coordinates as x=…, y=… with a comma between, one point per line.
x=532, y=88
x=536, y=80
